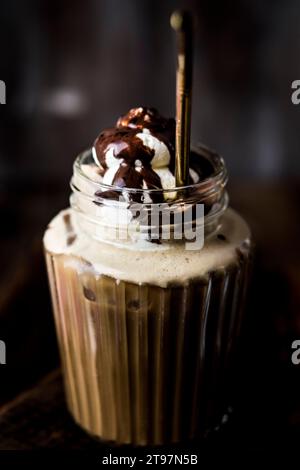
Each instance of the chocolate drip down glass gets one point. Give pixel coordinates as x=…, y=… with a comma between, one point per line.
x=147, y=329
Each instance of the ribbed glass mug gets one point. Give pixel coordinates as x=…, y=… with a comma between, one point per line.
x=147, y=328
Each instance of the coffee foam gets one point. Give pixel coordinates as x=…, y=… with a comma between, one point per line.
x=146, y=262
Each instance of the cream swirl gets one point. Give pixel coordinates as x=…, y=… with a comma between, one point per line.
x=139, y=152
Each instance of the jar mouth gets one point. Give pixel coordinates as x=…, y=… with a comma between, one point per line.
x=202, y=189
x=179, y=213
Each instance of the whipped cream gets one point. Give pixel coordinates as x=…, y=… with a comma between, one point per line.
x=139, y=153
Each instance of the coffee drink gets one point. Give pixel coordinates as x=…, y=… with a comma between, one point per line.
x=147, y=328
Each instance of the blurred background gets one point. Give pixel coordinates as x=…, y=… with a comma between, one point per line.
x=71, y=68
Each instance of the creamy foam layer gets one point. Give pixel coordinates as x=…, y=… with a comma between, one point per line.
x=151, y=264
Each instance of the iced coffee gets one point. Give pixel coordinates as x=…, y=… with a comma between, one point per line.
x=147, y=328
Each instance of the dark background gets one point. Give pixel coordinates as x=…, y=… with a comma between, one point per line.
x=71, y=68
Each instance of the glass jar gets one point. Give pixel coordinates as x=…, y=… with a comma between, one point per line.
x=147, y=325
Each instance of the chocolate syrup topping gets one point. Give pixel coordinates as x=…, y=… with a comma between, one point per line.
x=123, y=151
x=140, y=118
x=135, y=167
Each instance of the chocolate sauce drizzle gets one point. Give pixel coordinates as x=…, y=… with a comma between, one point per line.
x=130, y=149
x=135, y=170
